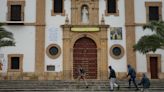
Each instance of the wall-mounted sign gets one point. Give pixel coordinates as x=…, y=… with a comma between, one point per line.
x=50, y=68
x=88, y=29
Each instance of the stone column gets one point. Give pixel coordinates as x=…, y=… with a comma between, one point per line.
x=40, y=38
x=130, y=32
x=103, y=53
x=67, y=73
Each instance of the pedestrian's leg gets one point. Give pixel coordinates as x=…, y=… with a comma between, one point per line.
x=111, y=83
x=85, y=82
x=114, y=82
x=146, y=90
x=142, y=90
x=130, y=83
x=78, y=80
x=116, y=85
x=134, y=82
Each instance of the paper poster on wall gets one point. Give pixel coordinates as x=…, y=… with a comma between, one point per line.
x=116, y=33
x=53, y=34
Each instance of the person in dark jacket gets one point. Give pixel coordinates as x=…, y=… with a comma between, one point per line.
x=145, y=82
x=112, y=78
x=132, y=74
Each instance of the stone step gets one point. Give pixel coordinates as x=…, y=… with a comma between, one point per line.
x=73, y=90
x=54, y=83
x=68, y=82
x=70, y=86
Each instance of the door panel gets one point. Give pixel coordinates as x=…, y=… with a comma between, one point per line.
x=154, y=67
x=85, y=54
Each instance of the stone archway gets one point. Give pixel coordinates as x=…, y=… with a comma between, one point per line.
x=99, y=37
x=85, y=54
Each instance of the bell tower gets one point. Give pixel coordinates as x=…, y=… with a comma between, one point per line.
x=85, y=12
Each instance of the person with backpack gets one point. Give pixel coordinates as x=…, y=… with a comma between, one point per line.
x=81, y=74
x=145, y=82
x=112, y=77
x=132, y=74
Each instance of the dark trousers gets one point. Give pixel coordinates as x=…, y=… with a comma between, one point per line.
x=134, y=82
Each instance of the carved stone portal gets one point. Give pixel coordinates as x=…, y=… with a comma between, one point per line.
x=85, y=27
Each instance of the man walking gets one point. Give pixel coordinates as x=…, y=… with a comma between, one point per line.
x=132, y=74
x=112, y=78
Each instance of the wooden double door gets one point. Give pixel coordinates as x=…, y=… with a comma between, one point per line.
x=85, y=54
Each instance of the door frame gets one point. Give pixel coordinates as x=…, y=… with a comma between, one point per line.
x=96, y=55
x=158, y=63
x=100, y=37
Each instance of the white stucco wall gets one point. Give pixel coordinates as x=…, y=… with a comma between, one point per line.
x=3, y=10
x=140, y=10
x=141, y=58
x=29, y=11
x=54, y=26
x=24, y=35
x=25, y=44
x=115, y=21
x=140, y=17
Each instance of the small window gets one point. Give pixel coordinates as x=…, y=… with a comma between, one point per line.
x=153, y=13
x=53, y=51
x=112, y=7
x=15, y=63
x=15, y=13
x=117, y=51
x=58, y=7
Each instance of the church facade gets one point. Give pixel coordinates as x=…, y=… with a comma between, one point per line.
x=53, y=37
